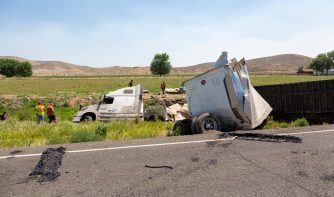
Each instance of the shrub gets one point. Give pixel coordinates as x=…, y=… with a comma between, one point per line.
x=155, y=112
x=300, y=122
x=270, y=123
x=284, y=125
x=101, y=131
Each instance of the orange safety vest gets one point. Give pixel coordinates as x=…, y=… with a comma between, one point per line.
x=40, y=110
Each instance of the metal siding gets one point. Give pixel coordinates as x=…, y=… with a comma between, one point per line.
x=312, y=100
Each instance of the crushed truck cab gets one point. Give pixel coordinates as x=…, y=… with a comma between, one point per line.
x=122, y=104
x=224, y=99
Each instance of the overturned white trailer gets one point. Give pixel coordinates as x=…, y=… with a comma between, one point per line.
x=224, y=99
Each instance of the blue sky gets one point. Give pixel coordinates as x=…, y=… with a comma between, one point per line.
x=129, y=32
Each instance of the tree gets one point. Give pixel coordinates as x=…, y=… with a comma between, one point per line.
x=321, y=62
x=23, y=69
x=331, y=56
x=160, y=64
x=10, y=68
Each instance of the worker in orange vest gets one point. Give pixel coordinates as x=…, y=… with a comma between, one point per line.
x=40, y=109
x=51, y=113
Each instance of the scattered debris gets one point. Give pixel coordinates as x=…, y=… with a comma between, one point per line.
x=47, y=169
x=177, y=112
x=169, y=167
x=212, y=162
x=265, y=137
x=326, y=177
x=194, y=159
x=174, y=90
x=15, y=152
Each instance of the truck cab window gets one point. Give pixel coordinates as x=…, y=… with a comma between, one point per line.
x=108, y=100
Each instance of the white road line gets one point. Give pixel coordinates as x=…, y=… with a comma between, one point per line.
x=306, y=132
x=122, y=147
x=152, y=145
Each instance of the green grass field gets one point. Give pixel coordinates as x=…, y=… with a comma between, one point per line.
x=21, y=129
x=82, y=86
x=46, y=86
x=15, y=133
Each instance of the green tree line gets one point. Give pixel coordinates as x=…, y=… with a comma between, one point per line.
x=323, y=61
x=11, y=68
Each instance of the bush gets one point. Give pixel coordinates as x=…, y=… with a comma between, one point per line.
x=270, y=123
x=284, y=125
x=155, y=112
x=101, y=131
x=300, y=122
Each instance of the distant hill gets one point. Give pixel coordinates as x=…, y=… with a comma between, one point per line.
x=287, y=63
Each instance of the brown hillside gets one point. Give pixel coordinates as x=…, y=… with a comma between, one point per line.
x=273, y=64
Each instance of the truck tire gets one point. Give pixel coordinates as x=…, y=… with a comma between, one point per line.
x=193, y=126
x=87, y=118
x=207, y=122
x=183, y=127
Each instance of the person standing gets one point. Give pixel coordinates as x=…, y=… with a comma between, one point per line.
x=163, y=87
x=130, y=83
x=50, y=110
x=40, y=109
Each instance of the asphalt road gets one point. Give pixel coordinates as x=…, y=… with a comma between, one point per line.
x=225, y=167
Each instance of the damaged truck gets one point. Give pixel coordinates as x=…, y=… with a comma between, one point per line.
x=223, y=99
x=220, y=99
x=122, y=104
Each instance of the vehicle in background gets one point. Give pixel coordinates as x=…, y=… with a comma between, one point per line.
x=122, y=104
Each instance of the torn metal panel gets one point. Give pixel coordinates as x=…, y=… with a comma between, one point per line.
x=226, y=92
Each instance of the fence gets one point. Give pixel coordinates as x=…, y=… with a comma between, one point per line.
x=312, y=100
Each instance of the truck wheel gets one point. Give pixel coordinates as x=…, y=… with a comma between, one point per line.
x=207, y=122
x=87, y=118
x=182, y=126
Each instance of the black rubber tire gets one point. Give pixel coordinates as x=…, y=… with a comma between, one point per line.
x=207, y=122
x=87, y=118
x=193, y=126
x=183, y=126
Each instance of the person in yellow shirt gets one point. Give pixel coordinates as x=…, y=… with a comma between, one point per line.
x=40, y=109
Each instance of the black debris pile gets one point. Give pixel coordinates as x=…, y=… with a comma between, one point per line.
x=169, y=167
x=47, y=169
x=263, y=137
x=15, y=152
